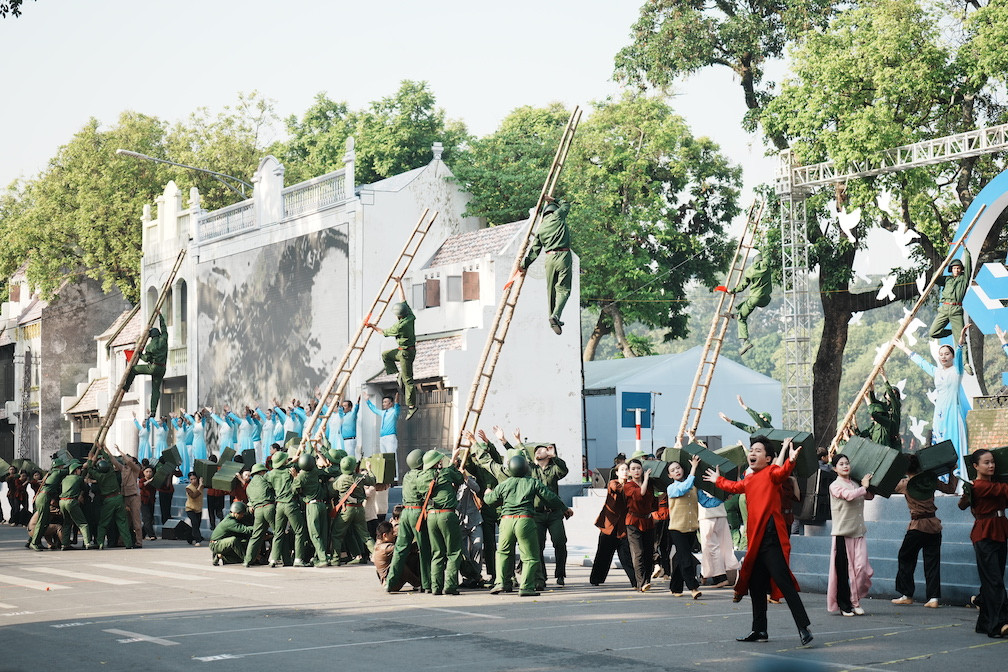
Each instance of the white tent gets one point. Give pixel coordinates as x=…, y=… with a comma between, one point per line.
x=661, y=384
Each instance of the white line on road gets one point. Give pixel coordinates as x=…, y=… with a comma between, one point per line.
x=28, y=583
x=84, y=576
x=7, y=606
x=150, y=572
x=224, y=572
x=464, y=613
x=137, y=637
x=332, y=646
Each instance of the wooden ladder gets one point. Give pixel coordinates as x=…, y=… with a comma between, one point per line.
x=718, y=329
x=509, y=298
x=138, y=348
x=339, y=381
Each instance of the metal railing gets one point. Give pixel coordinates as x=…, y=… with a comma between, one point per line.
x=315, y=194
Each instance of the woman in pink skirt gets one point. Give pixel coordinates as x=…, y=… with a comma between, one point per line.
x=850, y=573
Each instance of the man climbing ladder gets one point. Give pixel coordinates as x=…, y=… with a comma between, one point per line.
x=156, y=356
x=404, y=331
x=553, y=236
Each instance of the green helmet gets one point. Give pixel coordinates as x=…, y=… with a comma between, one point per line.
x=103, y=466
x=348, y=465
x=518, y=466
x=415, y=459
x=401, y=309
x=279, y=458
x=258, y=469
x=336, y=455
x=239, y=508
x=432, y=458
x=306, y=462
x=74, y=466
x=956, y=262
x=550, y=207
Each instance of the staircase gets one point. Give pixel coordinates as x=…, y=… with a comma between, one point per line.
x=887, y=521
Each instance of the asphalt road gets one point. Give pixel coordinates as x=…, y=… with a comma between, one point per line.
x=166, y=608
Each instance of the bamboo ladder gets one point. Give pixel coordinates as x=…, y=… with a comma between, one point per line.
x=339, y=381
x=509, y=297
x=141, y=343
x=889, y=346
x=719, y=327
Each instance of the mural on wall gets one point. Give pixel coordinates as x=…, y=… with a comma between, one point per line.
x=272, y=321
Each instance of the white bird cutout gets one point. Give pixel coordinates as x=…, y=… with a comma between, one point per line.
x=847, y=221
x=915, y=324
x=921, y=283
x=933, y=396
x=904, y=238
x=880, y=351
x=855, y=318
x=917, y=427
x=885, y=291
x=899, y=386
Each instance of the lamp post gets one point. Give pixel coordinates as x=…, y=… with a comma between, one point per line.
x=217, y=176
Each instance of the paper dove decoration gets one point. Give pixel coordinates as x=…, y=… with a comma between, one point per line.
x=921, y=283
x=899, y=386
x=847, y=221
x=917, y=427
x=904, y=238
x=888, y=204
x=855, y=318
x=879, y=352
x=933, y=396
x=885, y=292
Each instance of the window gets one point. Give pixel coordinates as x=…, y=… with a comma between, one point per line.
x=470, y=286
x=432, y=293
x=454, y=288
x=417, y=294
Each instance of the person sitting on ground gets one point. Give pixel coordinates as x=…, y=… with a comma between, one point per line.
x=229, y=540
x=382, y=556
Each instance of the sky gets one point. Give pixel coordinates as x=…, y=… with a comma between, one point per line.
x=67, y=61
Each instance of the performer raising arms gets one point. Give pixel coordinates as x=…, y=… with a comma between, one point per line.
x=769, y=544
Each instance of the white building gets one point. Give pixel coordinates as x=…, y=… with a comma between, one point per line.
x=272, y=289
x=661, y=384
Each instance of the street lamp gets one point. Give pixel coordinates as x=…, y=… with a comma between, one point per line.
x=217, y=176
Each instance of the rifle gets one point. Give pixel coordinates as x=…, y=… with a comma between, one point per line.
x=423, y=509
x=339, y=505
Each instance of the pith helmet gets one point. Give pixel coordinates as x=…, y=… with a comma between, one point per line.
x=306, y=462
x=336, y=455
x=103, y=466
x=258, y=469
x=400, y=309
x=956, y=262
x=279, y=458
x=518, y=466
x=347, y=465
x=432, y=459
x=414, y=459
x=550, y=207
x=238, y=507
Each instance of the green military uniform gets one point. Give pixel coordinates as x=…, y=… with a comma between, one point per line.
x=548, y=520
x=308, y=486
x=885, y=415
x=762, y=420
x=287, y=510
x=262, y=501
x=50, y=490
x=490, y=514
x=412, y=499
x=553, y=237
x=404, y=331
x=113, y=506
x=517, y=497
x=350, y=519
x=70, y=507
x=230, y=540
x=757, y=279
x=156, y=356
x=949, y=320
x=443, y=524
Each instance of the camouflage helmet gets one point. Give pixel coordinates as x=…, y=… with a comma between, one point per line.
x=239, y=508
x=518, y=466
x=415, y=459
x=103, y=466
x=400, y=309
x=348, y=465
x=306, y=462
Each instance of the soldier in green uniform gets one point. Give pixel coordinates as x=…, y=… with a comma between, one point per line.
x=413, y=498
x=404, y=331
x=262, y=501
x=49, y=491
x=553, y=237
x=443, y=523
x=350, y=519
x=549, y=469
x=885, y=415
x=757, y=279
x=70, y=507
x=229, y=539
x=113, y=507
x=332, y=472
x=287, y=510
x=949, y=319
x=308, y=486
x=517, y=496
x=156, y=356
x=763, y=420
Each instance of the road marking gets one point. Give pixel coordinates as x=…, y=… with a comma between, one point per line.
x=75, y=624
x=464, y=613
x=7, y=606
x=28, y=583
x=333, y=646
x=151, y=572
x=81, y=575
x=223, y=571
x=270, y=627
x=137, y=637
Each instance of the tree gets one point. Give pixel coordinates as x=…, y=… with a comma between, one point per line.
x=11, y=7
x=875, y=75
x=504, y=171
x=392, y=135
x=651, y=202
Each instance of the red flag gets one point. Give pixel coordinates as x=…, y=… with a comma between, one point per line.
x=511, y=280
x=721, y=288
x=129, y=355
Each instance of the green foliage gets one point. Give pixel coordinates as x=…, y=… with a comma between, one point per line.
x=392, y=135
x=505, y=170
x=11, y=8
x=651, y=203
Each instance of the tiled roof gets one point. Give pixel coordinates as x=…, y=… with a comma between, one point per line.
x=428, y=359
x=130, y=332
x=87, y=402
x=32, y=312
x=474, y=244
